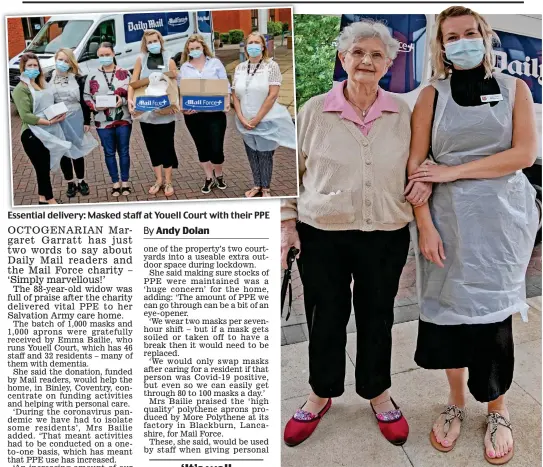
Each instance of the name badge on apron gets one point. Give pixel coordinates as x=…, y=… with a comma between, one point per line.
x=492, y=98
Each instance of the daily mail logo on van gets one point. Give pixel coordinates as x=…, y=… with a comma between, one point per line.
x=143, y=25
x=212, y=103
x=150, y=103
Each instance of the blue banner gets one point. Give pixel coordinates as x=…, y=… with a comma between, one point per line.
x=201, y=103
x=520, y=56
x=150, y=103
x=165, y=23
x=204, y=21
x=410, y=30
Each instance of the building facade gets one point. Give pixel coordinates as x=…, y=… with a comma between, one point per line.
x=247, y=20
x=21, y=31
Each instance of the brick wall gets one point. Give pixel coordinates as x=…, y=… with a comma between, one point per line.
x=16, y=37
x=284, y=15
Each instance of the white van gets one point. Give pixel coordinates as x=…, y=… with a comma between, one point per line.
x=84, y=32
x=518, y=55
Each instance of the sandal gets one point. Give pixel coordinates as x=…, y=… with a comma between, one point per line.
x=155, y=188
x=126, y=190
x=266, y=193
x=252, y=192
x=168, y=189
x=493, y=419
x=116, y=192
x=451, y=412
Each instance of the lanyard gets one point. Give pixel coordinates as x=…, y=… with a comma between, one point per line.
x=255, y=70
x=108, y=82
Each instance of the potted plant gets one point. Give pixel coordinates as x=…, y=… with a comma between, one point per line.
x=217, y=39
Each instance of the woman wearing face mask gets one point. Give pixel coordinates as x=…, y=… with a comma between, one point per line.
x=43, y=140
x=263, y=122
x=158, y=130
x=477, y=232
x=113, y=125
x=206, y=128
x=68, y=87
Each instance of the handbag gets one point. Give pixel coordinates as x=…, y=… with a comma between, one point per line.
x=287, y=281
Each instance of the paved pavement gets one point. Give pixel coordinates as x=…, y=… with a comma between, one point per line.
x=187, y=179
x=406, y=307
x=348, y=435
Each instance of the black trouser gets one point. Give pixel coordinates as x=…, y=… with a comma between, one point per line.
x=41, y=160
x=159, y=139
x=68, y=166
x=329, y=262
x=207, y=130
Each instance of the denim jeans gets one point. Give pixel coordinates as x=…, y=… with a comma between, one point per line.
x=116, y=140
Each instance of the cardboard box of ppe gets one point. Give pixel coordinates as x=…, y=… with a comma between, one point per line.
x=204, y=95
x=107, y=101
x=55, y=110
x=163, y=103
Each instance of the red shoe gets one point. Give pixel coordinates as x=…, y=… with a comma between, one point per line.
x=393, y=425
x=303, y=424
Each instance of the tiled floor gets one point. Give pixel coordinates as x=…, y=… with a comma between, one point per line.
x=348, y=435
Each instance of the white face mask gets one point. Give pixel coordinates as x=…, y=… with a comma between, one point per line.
x=465, y=53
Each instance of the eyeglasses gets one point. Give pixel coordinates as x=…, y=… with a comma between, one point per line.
x=359, y=55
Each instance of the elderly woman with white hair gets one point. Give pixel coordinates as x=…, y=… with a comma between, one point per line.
x=350, y=223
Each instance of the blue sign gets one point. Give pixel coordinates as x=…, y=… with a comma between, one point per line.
x=150, y=103
x=166, y=23
x=204, y=21
x=520, y=56
x=203, y=103
x=410, y=30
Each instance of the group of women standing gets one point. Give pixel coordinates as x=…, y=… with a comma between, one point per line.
x=475, y=222
x=64, y=140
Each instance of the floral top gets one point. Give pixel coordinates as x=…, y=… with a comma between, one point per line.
x=100, y=83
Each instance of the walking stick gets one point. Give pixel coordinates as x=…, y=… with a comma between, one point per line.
x=287, y=281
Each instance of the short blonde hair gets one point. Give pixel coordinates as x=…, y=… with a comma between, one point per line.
x=74, y=66
x=441, y=69
x=195, y=38
x=264, y=46
x=150, y=32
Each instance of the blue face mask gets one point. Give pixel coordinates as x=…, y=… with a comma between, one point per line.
x=31, y=73
x=62, y=66
x=105, y=61
x=154, y=48
x=466, y=53
x=195, y=53
x=254, y=50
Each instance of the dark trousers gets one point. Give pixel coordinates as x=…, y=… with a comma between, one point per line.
x=68, y=166
x=207, y=130
x=116, y=140
x=159, y=140
x=41, y=160
x=329, y=262
x=261, y=163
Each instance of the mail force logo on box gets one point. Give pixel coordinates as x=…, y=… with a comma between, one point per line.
x=149, y=103
x=203, y=103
